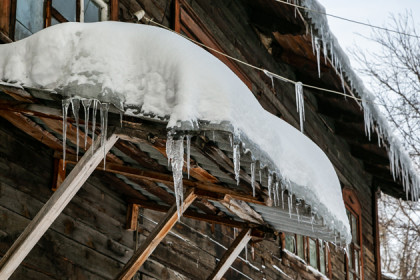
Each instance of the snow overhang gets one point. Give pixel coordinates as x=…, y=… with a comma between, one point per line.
x=155, y=74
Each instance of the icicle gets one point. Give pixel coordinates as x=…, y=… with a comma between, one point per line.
x=65, y=106
x=342, y=79
x=318, y=55
x=188, y=154
x=297, y=213
x=368, y=119
x=86, y=106
x=121, y=118
x=276, y=194
x=175, y=153
x=289, y=201
x=104, y=126
x=94, y=109
x=231, y=140
x=270, y=75
x=300, y=105
x=253, y=178
x=324, y=45
x=75, y=106
x=270, y=185
x=237, y=161
x=282, y=198
x=260, y=173
x=312, y=40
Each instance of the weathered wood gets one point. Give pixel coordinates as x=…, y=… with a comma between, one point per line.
x=5, y=9
x=114, y=10
x=231, y=254
x=55, y=205
x=132, y=216
x=242, y=210
x=59, y=173
x=155, y=237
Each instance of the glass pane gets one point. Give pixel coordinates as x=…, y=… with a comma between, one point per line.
x=92, y=11
x=322, y=257
x=290, y=243
x=29, y=18
x=313, y=260
x=354, y=229
x=351, y=277
x=351, y=256
x=300, y=249
x=67, y=8
x=356, y=260
x=54, y=21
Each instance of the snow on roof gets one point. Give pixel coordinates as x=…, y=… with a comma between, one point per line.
x=401, y=165
x=139, y=66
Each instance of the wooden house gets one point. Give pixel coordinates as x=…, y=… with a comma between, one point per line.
x=114, y=215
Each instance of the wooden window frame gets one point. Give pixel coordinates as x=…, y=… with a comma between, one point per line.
x=354, y=207
x=187, y=22
x=7, y=20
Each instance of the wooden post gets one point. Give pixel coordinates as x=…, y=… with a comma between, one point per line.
x=132, y=216
x=114, y=10
x=231, y=254
x=155, y=237
x=54, y=206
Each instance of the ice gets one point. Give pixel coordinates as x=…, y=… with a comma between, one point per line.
x=94, y=110
x=86, y=107
x=300, y=105
x=312, y=40
x=175, y=153
x=75, y=106
x=270, y=75
x=318, y=55
x=253, y=177
x=324, y=45
x=237, y=161
x=282, y=198
x=276, y=194
x=104, y=126
x=188, y=154
x=270, y=185
x=65, y=107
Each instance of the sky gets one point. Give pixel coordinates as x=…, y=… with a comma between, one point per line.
x=375, y=12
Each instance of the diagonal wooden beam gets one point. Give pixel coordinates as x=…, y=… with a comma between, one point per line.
x=155, y=237
x=231, y=254
x=54, y=206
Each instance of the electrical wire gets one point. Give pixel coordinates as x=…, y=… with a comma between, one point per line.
x=347, y=19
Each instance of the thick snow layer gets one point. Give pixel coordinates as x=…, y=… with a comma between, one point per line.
x=166, y=75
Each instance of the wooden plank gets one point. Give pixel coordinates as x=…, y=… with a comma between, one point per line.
x=59, y=173
x=114, y=10
x=132, y=216
x=5, y=7
x=54, y=206
x=155, y=237
x=231, y=254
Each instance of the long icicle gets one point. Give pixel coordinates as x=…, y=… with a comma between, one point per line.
x=253, y=178
x=175, y=153
x=94, y=110
x=237, y=161
x=65, y=106
x=300, y=103
x=86, y=106
x=188, y=154
x=75, y=106
x=104, y=126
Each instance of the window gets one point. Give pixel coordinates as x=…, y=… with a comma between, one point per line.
x=313, y=251
x=354, y=257
x=58, y=11
x=189, y=24
x=29, y=18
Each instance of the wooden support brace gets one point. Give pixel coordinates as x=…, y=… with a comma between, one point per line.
x=154, y=238
x=132, y=216
x=231, y=254
x=59, y=173
x=54, y=206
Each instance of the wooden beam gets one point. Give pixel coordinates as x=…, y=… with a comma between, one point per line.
x=114, y=10
x=59, y=173
x=231, y=254
x=168, y=180
x=54, y=206
x=154, y=238
x=132, y=216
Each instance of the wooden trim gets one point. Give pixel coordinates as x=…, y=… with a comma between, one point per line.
x=231, y=254
x=154, y=238
x=57, y=15
x=54, y=206
x=47, y=13
x=78, y=10
x=5, y=11
x=177, y=21
x=132, y=216
x=12, y=20
x=378, y=268
x=114, y=10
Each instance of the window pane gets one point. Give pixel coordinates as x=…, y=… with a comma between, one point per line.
x=92, y=11
x=300, y=249
x=29, y=18
x=290, y=243
x=67, y=8
x=54, y=21
x=322, y=257
x=313, y=260
x=356, y=260
x=354, y=229
x=351, y=255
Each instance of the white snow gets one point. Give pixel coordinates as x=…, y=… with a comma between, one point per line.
x=139, y=66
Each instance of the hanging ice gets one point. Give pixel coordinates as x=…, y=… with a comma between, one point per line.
x=324, y=45
x=300, y=103
x=270, y=185
x=253, y=178
x=86, y=106
x=175, y=153
x=270, y=75
x=188, y=154
x=75, y=106
x=237, y=161
x=276, y=194
x=368, y=118
x=65, y=106
x=318, y=55
x=104, y=126
x=312, y=41
x=94, y=109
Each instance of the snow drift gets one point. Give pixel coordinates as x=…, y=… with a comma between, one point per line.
x=158, y=72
